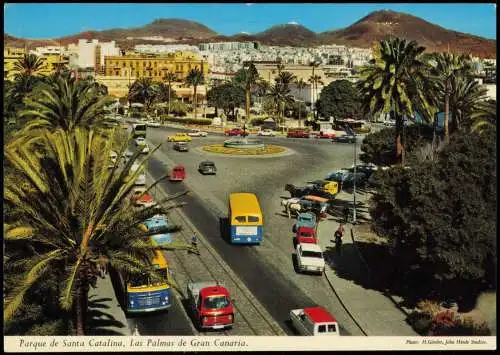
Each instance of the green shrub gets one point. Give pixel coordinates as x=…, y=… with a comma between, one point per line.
x=198, y=121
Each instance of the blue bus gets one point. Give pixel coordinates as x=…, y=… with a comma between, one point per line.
x=245, y=218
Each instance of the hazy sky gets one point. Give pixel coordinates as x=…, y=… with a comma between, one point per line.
x=60, y=19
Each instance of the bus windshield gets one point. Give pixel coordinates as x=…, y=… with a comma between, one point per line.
x=143, y=280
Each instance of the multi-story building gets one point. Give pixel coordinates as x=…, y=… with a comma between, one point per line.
x=50, y=62
x=154, y=67
x=10, y=56
x=91, y=54
x=228, y=46
x=164, y=48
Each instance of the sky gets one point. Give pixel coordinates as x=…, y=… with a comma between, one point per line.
x=63, y=19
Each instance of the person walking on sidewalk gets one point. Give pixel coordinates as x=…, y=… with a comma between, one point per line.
x=346, y=214
x=338, y=238
x=194, y=244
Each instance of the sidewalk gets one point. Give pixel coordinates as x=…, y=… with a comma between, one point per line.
x=347, y=274
x=104, y=314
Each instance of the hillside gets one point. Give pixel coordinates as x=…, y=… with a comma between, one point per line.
x=382, y=24
x=363, y=33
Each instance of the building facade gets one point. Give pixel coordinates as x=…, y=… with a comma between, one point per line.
x=154, y=67
x=50, y=62
x=90, y=54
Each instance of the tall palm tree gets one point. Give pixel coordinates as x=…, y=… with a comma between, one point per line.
x=74, y=214
x=165, y=93
x=262, y=88
x=280, y=95
x=390, y=80
x=484, y=117
x=312, y=79
x=285, y=78
x=447, y=66
x=466, y=95
x=301, y=84
x=143, y=90
x=66, y=104
x=247, y=79
x=169, y=77
x=195, y=78
x=315, y=80
x=29, y=64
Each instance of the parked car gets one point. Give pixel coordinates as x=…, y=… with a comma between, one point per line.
x=197, y=133
x=178, y=173
x=314, y=321
x=140, y=143
x=179, y=137
x=141, y=198
x=306, y=235
x=207, y=167
x=346, y=177
x=346, y=138
x=153, y=124
x=267, y=133
x=181, y=146
x=306, y=219
x=310, y=258
x=326, y=134
x=298, y=133
x=235, y=132
x=210, y=305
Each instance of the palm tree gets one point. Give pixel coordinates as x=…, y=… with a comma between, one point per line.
x=301, y=84
x=280, y=95
x=262, y=87
x=29, y=64
x=66, y=104
x=314, y=80
x=195, y=78
x=280, y=66
x=447, y=66
x=247, y=79
x=165, y=93
x=285, y=78
x=466, y=95
x=484, y=117
x=143, y=90
x=391, y=81
x=169, y=77
x=74, y=214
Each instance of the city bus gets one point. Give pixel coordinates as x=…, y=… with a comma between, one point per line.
x=145, y=295
x=155, y=224
x=245, y=218
x=139, y=130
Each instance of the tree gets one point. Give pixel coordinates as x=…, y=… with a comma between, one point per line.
x=144, y=91
x=247, y=78
x=169, y=77
x=165, y=93
x=280, y=96
x=301, y=85
x=29, y=64
x=466, y=94
x=74, y=214
x=440, y=218
x=227, y=97
x=339, y=100
x=315, y=80
x=484, y=118
x=391, y=81
x=195, y=78
x=66, y=104
x=447, y=66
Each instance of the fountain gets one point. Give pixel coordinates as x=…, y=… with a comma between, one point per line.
x=244, y=143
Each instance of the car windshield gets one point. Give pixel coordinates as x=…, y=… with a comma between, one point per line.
x=216, y=302
x=305, y=234
x=312, y=254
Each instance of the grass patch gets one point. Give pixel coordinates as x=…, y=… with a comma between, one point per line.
x=219, y=148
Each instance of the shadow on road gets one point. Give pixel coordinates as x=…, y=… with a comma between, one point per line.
x=98, y=320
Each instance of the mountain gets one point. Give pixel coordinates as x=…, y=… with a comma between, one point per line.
x=382, y=24
x=363, y=33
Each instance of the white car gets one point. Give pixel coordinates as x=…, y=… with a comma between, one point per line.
x=267, y=133
x=310, y=258
x=141, y=179
x=197, y=133
x=140, y=143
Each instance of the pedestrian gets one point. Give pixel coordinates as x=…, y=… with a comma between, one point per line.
x=338, y=238
x=194, y=243
x=346, y=214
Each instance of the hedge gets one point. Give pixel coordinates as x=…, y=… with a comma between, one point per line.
x=197, y=121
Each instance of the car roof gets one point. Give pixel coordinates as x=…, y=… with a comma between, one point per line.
x=213, y=291
x=319, y=315
x=311, y=247
x=207, y=162
x=305, y=229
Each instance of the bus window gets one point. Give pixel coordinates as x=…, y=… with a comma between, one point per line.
x=253, y=219
x=241, y=219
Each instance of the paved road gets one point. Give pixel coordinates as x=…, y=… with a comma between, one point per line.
x=267, y=270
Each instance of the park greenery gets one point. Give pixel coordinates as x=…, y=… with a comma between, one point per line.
x=339, y=100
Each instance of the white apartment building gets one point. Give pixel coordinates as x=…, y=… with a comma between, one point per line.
x=91, y=54
x=228, y=46
x=49, y=50
x=165, y=48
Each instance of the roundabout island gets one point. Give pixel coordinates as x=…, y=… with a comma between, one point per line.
x=245, y=147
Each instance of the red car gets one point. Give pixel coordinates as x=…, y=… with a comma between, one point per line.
x=235, y=132
x=325, y=134
x=306, y=235
x=178, y=173
x=298, y=133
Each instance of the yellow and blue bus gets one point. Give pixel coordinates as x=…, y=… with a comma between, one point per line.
x=145, y=295
x=245, y=218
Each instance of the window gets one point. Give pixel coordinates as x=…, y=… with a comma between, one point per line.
x=216, y=302
x=253, y=219
x=322, y=328
x=332, y=328
x=312, y=254
x=241, y=219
